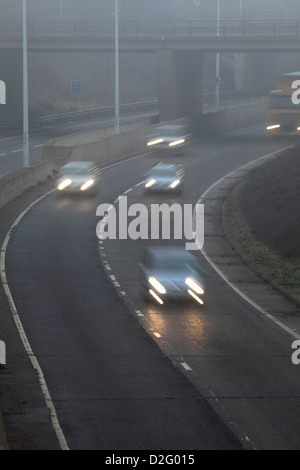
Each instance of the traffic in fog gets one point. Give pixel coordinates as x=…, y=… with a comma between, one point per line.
x=146, y=155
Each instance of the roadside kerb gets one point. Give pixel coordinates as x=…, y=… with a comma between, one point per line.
x=233, y=266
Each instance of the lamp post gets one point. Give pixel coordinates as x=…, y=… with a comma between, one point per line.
x=217, y=79
x=25, y=92
x=117, y=111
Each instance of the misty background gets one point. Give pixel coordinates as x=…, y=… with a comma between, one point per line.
x=50, y=74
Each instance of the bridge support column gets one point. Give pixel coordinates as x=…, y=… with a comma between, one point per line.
x=180, y=83
x=11, y=64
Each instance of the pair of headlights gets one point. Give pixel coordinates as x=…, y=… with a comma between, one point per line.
x=151, y=182
x=171, y=144
x=67, y=182
x=189, y=282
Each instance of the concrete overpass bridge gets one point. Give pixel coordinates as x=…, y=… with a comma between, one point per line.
x=180, y=47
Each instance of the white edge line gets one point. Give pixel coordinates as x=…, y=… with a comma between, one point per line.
x=54, y=420
x=220, y=272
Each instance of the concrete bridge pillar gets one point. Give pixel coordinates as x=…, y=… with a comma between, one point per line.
x=11, y=64
x=180, y=83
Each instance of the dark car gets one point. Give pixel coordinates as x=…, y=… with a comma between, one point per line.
x=171, y=274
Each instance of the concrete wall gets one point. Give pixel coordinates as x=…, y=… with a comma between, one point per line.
x=14, y=184
x=235, y=117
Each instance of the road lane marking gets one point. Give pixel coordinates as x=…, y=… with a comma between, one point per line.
x=186, y=366
x=47, y=397
x=127, y=191
x=220, y=272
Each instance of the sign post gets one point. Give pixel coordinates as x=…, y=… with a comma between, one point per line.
x=76, y=89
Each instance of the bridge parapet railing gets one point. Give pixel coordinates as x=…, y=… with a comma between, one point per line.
x=149, y=28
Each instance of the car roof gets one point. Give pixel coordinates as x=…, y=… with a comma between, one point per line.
x=165, y=166
x=172, y=126
x=167, y=252
x=79, y=165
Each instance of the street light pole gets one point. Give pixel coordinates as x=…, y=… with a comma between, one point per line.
x=217, y=79
x=117, y=118
x=25, y=92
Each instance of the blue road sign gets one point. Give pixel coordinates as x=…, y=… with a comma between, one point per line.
x=76, y=87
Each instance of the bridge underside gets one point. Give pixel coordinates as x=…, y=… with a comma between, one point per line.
x=180, y=69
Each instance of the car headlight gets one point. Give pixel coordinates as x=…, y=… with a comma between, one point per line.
x=87, y=185
x=154, y=142
x=194, y=285
x=176, y=142
x=174, y=184
x=150, y=183
x=64, y=184
x=157, y=285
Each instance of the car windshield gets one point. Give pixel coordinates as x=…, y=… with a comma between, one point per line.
x=173, y=264
x=74, y=170
x=170, y=132
x=163, y=172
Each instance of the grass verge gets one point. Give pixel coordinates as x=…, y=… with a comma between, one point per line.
x=280, y=272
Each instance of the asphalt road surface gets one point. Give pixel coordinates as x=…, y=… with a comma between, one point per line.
x=128, y=375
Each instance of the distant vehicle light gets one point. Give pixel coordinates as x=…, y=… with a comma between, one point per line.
x=87, y=185
x=298, y=128
x=159, y=300
x=274, y=126
x=176, y=142
x=154, y=142
x=194, y=285
x=174, y=184
x=64, y=184
x=157, y=285
x=150, y=183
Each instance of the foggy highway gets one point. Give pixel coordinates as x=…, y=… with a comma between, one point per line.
x=11, y=148
x=130, y=375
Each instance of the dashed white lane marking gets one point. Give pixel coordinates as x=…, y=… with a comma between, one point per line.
x=186, y=366
x=53, y=416
x=18, y=150
x=220, y=272
x=2, y=154
x=38, y=145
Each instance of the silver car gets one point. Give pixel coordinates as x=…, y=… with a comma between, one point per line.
x=165, y=177
x=170, y=137
x=79, y=177
x=171, y=274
